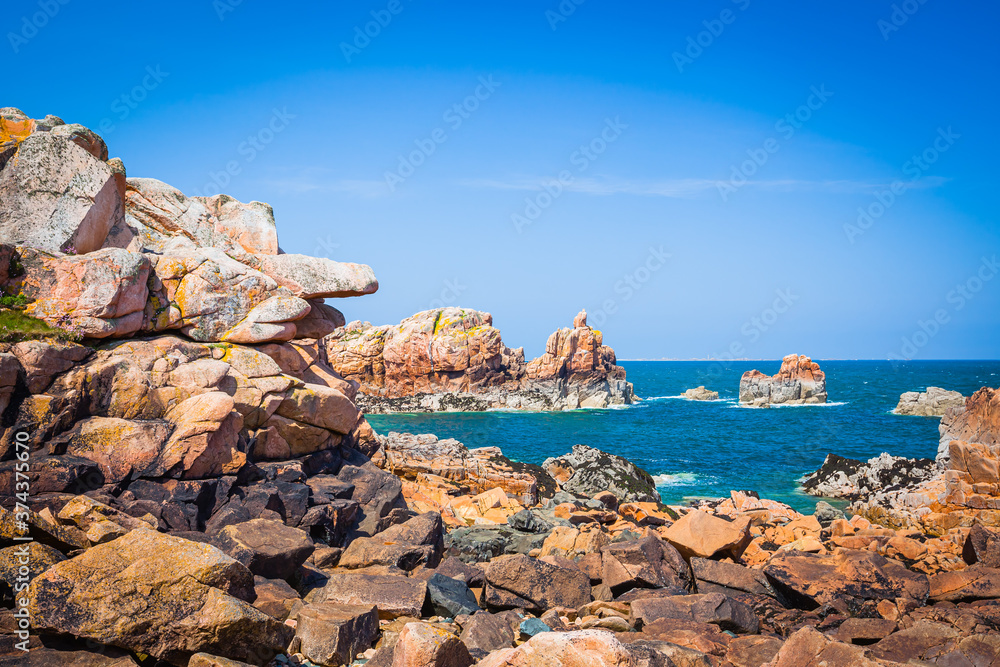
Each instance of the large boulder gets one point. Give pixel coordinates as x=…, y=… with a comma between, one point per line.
x=394, y=595
x=809, y=580
x=268, y=548
x=703, y=535
x=58, y=197
x=645, y=563
x=423, y=644
x=417, y=541
x=931, y=403
x=97, y=295
x=519, y=581
x=712, y=608
x=195, y=597
x=798, y=381
x=587, y=471
x=334, y=634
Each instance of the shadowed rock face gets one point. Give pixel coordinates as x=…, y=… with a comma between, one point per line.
x=454, y=359
x=587, y=471
x=840, y=477
x=799, y=380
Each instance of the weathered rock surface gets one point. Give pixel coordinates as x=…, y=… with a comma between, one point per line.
x=333, y=634
x=268, y=548
x=454, y=359
x=701, y=394
x=840, y=477
x=587, y=471
x=798, y=381
x=583, y=648
x=522, y=582
x=931, y=403
x=977, y=421
x=394, y=595
x=702, y=535
x=193, y=594
x=810, y=580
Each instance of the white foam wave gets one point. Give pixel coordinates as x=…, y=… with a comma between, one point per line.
x=676, y=479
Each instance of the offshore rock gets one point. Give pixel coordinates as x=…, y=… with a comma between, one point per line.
x=931, y=403
x=799, y=381
x=840, y=477
x=587, y=471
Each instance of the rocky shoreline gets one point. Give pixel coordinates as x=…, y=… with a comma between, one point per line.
x=187, y=478
x=453, y=359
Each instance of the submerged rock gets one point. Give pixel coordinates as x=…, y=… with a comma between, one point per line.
x=798, y=381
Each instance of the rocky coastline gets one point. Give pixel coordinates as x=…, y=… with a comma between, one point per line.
x=799, y=381
x=188, y=477
x=453, y=359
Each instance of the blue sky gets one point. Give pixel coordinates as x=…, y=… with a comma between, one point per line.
x=706, y=178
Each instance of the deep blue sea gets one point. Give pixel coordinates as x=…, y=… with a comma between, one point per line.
x=705, y=449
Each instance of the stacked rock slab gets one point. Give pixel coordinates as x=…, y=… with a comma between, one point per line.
x=799, y=381
x=454, y=359
x=104, y=256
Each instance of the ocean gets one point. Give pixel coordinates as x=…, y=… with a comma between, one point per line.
x=704, y=449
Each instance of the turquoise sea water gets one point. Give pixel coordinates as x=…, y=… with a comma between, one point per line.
x=704, y=449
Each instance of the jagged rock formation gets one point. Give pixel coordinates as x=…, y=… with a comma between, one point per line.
x=587, y=471
x=799, y=381
x=453, y=359
x=104, y=256
x=840, y=477
x=931, y=403
x=977, y=420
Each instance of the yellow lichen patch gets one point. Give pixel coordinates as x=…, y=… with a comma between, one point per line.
x=15, y=131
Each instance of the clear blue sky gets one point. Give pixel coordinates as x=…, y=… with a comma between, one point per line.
x=829, y=103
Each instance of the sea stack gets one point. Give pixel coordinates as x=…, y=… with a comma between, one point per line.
x=931, y=403
x=453, y=359
x=799, y=381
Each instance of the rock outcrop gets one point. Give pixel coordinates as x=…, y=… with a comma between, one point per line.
x=840, y=477
x=100, y=255
x=587, y=471
x=798, y=381
x=977, y=420
x=453, y=359
x=701, y=394
x=931, y=403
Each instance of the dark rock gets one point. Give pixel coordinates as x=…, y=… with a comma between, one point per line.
x=35, y=556
x=331, y=523
x=532, y=626
x=489, y=632
x=419, y=540
x=810, y=580
x=333, y=634
x=540, y=585
x=982, y=546
x=394, y=595
x=472, y=575
x=730, y=575
x=275, y=597
x=450, y=597
x=851, y=479
x=376, y=491
x=477, y=544
x=645, y=563
x=712, y=608
x=269, y=548
x=327, y=488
